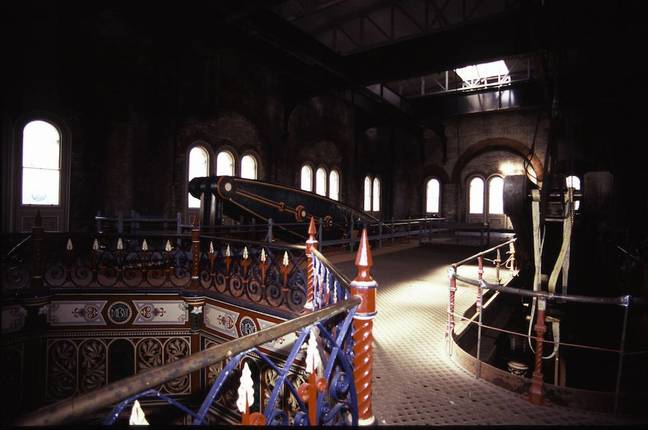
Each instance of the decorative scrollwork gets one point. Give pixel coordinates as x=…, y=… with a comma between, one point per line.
x=92, y=366
x=149, y=354
x=175, y=349
x=61, y=369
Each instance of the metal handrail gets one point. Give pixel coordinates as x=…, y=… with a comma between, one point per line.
x=68, y=410
x=479, y=254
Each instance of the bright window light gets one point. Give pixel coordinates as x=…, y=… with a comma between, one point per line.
x=476, y=202
x=248, y=167
x=496, y=195
x=483, y=71
x=198, y=167
x=334, y=185
x=432, y=196
x=41, y=164
x=306, y=182
x=320, y=181
x=225, y=164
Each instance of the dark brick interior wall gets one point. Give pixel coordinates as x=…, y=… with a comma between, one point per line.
x=133, y=99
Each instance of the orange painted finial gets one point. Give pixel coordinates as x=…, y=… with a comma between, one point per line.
x=312, y=231
x=363, y=260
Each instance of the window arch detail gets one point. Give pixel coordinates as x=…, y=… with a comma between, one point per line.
x=433, y=196
x=225, y=164
x=334, y=185
x=371, y=194
x=249, y=167
x=198, y=167
x=41, y=164
x=320, y=181
x=476, y=195
x=306, y=181
x=496, y=195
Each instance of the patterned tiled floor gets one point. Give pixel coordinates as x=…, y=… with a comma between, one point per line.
x=414, y=380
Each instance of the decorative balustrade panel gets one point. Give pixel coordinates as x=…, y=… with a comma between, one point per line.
x=106, y=261
x=277, y=387
x=267, y=275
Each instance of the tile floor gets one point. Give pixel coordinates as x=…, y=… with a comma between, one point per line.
x=415, y=382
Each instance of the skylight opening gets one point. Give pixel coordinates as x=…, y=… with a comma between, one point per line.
x=485, y=74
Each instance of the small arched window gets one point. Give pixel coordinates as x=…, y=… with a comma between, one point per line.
x=248, y=167
x=496, y=195
x=320, y=181
x=224, y=164
x=41, y=164
x=575, y=183
x=376, y=195
x=198, y=167
x=476, y=193
x=432, y=196
x=306, y=183
x=334, y=185
x=367, y=194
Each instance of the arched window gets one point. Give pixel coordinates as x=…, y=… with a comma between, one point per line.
x=41, y=164
x=575, y=183
x=334, y=185
x=432, y=196
x=476, y=193
x=306, y=178
x=376, y=195
x=224, y=164
x=248, y=167
x=367, y=193
x=320, y=181
x=496, y=195
x=198, y=167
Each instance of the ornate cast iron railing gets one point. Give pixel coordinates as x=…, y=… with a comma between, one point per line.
x=337, y=324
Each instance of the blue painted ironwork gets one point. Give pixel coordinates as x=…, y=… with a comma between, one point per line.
x=335, y=406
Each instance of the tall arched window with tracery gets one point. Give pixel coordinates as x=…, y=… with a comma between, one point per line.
x=496, y=195
x=476, y=196
x=432, y=196
x=249, y=167
x=367, y=194
x=225, y=164
x=306, y=182
x=198, y=167
x=320, y=181
x=334, y=185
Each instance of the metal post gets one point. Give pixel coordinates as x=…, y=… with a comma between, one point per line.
x=269, y=235
x=38, y=236
x=364, y=286
x=178, y=223
x=351, y=235
x=195, y=254
x=98, y=221
x=392, y=231
x=617, y=390
x=408, y=227
x=478, y=307
x=536, y=391
x=311, y=244
x=380, y=237
x=451, y=305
